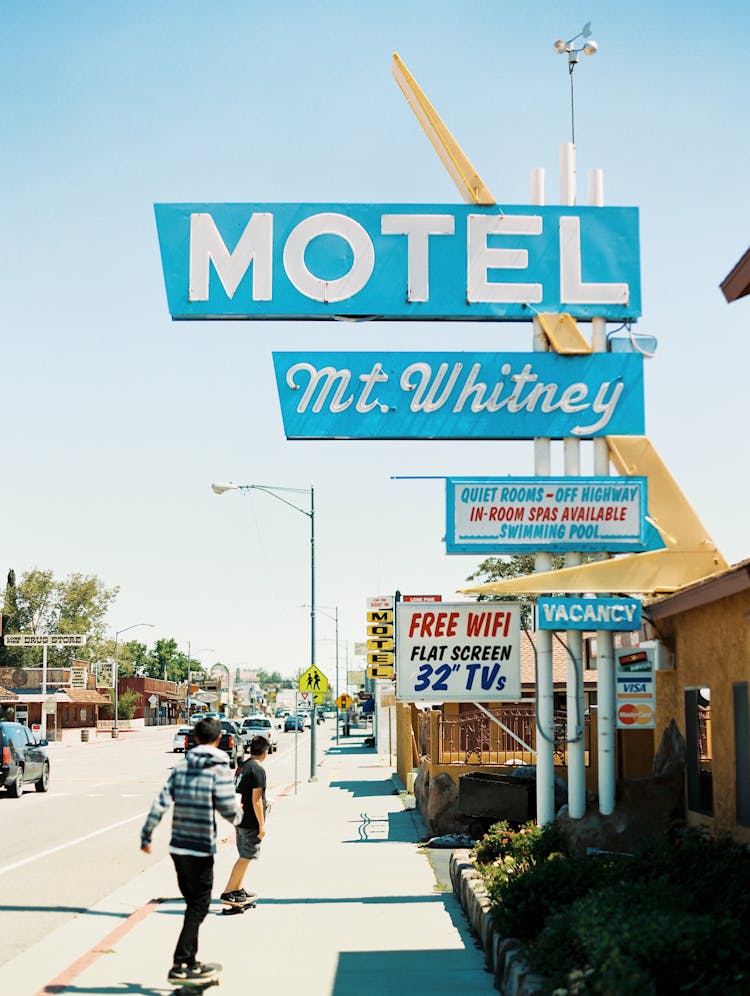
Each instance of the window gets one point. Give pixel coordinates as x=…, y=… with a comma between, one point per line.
x=742, y=752
x=699, y=752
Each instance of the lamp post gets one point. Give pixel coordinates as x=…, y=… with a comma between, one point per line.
x=278, y=493
x=116, y=728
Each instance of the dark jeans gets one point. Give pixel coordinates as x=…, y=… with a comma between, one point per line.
x=195, y=877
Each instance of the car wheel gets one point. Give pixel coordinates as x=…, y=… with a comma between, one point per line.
x=16, y=786
x=43, y=784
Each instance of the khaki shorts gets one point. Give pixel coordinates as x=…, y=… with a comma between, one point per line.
x=248, y=844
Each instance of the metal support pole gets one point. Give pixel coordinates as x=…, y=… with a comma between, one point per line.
x=545, y=700
x=314, y=719
x=337, y=674
x=115, y=729
x=545, y=713
x=43, y=723
x=605, y=655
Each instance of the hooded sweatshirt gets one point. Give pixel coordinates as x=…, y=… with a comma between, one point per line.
x=198, y=785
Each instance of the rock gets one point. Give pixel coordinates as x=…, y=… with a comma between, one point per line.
x=442, y=806
x=670, y=757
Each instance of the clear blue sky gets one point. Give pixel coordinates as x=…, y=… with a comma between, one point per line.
x=116, y=420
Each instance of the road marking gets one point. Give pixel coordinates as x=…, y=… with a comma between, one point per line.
x=69, y=974
x=70, y=843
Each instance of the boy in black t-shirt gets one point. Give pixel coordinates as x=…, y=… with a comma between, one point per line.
x=252, y=787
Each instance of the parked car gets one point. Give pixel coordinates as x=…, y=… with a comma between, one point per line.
x=178, y=744
x=306, y=720
x=259, y=726
x=23, y=758
x=293, y=723
x=232, y=742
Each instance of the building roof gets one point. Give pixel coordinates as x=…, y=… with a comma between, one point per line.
x=693, y=596
x=86, y=696
x=736, y=284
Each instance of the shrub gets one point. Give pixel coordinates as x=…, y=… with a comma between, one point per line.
x=632, y=940
x=526, y=846
x=522, y=902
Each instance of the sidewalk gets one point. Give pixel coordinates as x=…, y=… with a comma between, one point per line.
x=349, y=905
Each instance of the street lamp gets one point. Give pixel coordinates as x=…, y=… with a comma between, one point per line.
x=274, y=492
x=115, y=728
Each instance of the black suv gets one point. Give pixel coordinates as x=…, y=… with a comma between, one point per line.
x=23, y=758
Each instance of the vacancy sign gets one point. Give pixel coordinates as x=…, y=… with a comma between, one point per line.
x=572, y=612
x=458, y=652
x=635, y=689
x=449, y=262
x=529, y=514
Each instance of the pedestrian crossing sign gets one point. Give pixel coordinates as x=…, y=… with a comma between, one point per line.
x=313, y=680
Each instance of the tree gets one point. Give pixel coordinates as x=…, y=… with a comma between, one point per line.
x=164, y=660
x=516, y=566
x=9, y=656
x=41, y=604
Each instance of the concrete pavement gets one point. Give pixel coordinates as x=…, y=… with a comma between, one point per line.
x=349, y=905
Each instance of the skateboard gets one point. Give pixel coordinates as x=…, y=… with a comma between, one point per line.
x=190, y=988
x=232, y=909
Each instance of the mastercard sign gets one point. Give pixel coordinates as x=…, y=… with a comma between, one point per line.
x=635, y=689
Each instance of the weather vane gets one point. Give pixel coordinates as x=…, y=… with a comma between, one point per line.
x=568, y=48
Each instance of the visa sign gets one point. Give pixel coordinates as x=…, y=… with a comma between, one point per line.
x=398, y=261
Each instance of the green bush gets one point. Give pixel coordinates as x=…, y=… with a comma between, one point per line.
x=621, y=941
x=670, y=919
x=522, y=902
x=528, y=845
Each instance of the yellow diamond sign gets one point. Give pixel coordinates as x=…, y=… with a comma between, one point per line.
x=313, y=680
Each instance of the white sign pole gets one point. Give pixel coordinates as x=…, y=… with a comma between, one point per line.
x=605, y=655
x=545, y=710
x=574, y=735
x=44, y=690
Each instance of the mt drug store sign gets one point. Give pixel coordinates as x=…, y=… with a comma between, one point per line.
x=458, y=652
x=372, y=395
x=528, y=514
x=621, y=614
x=399, y=261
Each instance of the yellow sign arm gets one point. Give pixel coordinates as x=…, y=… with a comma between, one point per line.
x=668, y=508
x=689, y=556
x=564, y=335
x=470, y=184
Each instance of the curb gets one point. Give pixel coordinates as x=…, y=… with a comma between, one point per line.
x=503, y=954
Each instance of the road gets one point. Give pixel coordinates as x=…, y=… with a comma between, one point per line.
x=63, y=851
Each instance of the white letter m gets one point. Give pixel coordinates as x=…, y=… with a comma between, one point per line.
x=254, y=246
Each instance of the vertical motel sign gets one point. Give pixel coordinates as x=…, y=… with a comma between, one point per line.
x=380, y=637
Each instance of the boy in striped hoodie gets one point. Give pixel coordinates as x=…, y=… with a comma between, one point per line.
x=198, y=786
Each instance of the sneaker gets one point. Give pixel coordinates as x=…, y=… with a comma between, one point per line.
x=245, y=896
x=232, y=898
x=191, y=973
